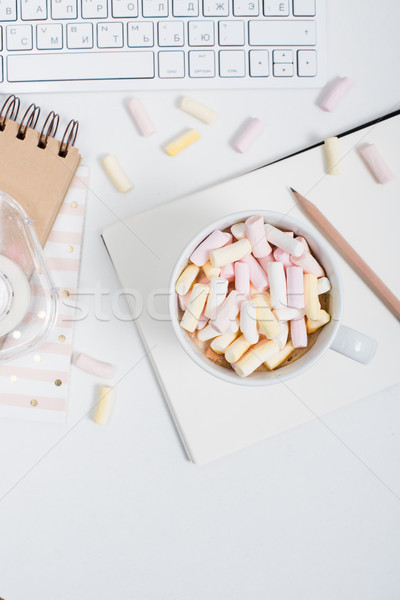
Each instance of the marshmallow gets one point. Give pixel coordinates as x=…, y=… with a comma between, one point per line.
x=258, y=276
x=266, y=320
x=298, y=333
x=184, y=300
x=323, y=319
x=283, y=240
x=283, y=336
x=335, y=93
x=211, y=271
x=308, y=263
x=95, y=367
x=264, y=260
x=311, y=300
x=237, y=349
x=230, y=253
x=376, y=163
x=140, y=116
x=323, y=285
x=203, y=320
x=255, y=233
x=248, y=135
x=277, y=359
x=195, y=307
x=295, y=287
x=333, y=155
x=105, y=405
x=228, y=271
x=116, y=174
x=242, y=278
x=283, y=257
x=303, y=241
x=238, y=230
x=248, y=321
x=277, y=284
x=182, y=142
x=221, y=343
x=255, y=357
x=207, y=333
x=218, y=291
x=215, y=240
x=185, y=279
x=198, y=110
x=227, y=313
x=288, y=313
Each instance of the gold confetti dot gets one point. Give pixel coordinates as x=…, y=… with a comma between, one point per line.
x=13, y=378
x=65, y=293
x=41, y=314
x=16, y=334
x=61, y=338
x=34, y=402
x=70, y=248
x=74, y=204
x=37, y=358
x=58, y=382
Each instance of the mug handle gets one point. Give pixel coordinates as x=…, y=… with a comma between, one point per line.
x=355, y=345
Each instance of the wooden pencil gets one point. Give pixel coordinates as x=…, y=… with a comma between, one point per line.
x=349, y=254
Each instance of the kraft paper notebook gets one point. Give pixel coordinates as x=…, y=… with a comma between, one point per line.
x=215, y=418
x=36, y=169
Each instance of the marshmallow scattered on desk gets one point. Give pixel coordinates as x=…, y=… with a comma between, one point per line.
x=198, y=110
x=335, y=93
x=116, y=174
x=376, y=163
x=140, y=116
x=182, y=142
x=94, y=366
x=248, y=135
x=333, y=154
x=105, y=405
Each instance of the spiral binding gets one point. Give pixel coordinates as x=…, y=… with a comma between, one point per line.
x=9, y=112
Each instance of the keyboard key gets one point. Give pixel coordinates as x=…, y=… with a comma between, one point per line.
x=304, y=8
x=93, y=9
x=1, y=68
x=276, y=8
x=170, y=33
x=306, y=63
x=231, y=33
x=155, y=8
x=201, y=33
x=33, y=10
x=215, y=8
x=232, y=63
x=201, y=63
x=282, y=33
x=64, y=9
x=245, y=8
x=185, y=8
x=259, y=63
x=79, y=35
x=282, y=56
x=8, y=10
x=140, y=34
x=110, y=35
x=283, y=70
x=1, y=38
x=171, y=64
x=70, y=66
x=124, y=8
x=19, y=37
x=49, y=37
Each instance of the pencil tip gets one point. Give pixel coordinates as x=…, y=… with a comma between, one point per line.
x=293, y=190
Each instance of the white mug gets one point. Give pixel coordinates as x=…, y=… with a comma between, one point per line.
x=334, y=335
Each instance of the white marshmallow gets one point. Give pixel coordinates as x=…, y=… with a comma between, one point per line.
x=248, y=321
x=323, y=285
x=238, y=230
x=283, y=240
x=277, y=284
x=218, y=291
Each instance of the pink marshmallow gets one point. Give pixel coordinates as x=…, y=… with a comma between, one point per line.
x=258, y=276
x=228, y=272
x=255, y=233
x=227, y=312
x=265, y=260
x=283, y=257
x=216, y=239
x=308, y=263
x=298, y=332
x=248, y=135
x=376, y=163
x=295, y=287
x=242, y=278
x=203, y=320
x=184, y=300
x=95, y=367
x=335, y=93
x=204, y=280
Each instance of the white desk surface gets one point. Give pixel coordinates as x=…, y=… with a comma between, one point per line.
x=94, y=513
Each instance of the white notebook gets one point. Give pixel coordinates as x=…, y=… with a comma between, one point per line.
x=215, y=418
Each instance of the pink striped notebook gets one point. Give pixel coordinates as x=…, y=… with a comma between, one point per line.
x=35, y=386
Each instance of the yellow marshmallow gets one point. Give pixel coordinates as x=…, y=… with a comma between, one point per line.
x=332, y=148
x=323, y=319
x=182, y=142
x=194, y=309
x=210, y=271
x=267, y=322
x=104, y=405
x=237, y=349
x=221, y=343
x=116, y=174
x=186, y=279
x=255, y=357
x=311, y=300
x=277, y=359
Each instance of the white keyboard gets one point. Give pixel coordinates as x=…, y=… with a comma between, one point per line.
x=72, y=45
